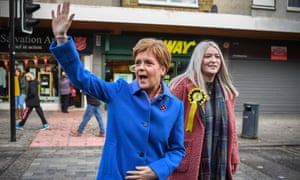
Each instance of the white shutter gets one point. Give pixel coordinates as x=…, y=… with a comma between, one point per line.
x=263, y=3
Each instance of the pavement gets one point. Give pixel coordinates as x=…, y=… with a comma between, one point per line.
x=56, y=154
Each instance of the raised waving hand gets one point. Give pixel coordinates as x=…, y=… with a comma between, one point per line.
x=61, y=21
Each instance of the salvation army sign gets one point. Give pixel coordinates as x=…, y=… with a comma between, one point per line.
x=41, y=39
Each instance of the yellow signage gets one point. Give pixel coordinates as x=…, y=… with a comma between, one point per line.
x=180, y=47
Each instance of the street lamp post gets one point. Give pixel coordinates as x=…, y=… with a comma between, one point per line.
x=12, y=69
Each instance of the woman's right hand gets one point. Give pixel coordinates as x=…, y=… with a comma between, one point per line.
x=61, y=22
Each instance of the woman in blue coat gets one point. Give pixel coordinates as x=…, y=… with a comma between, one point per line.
x=145, y=121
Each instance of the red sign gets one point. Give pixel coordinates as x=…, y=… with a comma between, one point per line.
x=6, y=63
x=35, y=61
x=278, y=53
x=45, y=59
x=26, y=61
x=80, y=43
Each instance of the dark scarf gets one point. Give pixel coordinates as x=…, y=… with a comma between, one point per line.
x=213, y=163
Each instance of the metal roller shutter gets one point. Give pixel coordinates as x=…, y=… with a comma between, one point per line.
x=274, y=85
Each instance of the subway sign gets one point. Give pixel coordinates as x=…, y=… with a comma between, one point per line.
x=180, y=47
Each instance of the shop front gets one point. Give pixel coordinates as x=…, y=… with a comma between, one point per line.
x=265, y=72
x=33, y=55
x=118, y=53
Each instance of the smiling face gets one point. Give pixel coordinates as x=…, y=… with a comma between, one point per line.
x=211, y=64
x=148, y=72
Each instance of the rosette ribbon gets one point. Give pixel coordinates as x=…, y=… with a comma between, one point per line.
x=195, y=95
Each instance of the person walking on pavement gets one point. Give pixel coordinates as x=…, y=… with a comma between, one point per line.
x=64, y=92
x=93, y=108
x=144, y=135
x=20, y=79
x=17, y=91
x=210, y=133
x=32, y=100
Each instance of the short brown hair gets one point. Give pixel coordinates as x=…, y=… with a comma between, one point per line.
x=157, y=48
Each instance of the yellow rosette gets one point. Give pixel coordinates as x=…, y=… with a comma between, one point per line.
x=195, y=95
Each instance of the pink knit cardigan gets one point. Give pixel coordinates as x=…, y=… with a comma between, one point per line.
x=189, y=167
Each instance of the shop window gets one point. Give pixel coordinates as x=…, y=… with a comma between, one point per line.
x=43, y=66
x=3, y=80
x=45, y=85
x=181, y=3
x=293, y=5
x=181, y=67
x=263, y=4
x=115, y=69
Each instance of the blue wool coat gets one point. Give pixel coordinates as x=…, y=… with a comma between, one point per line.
x=139, y=132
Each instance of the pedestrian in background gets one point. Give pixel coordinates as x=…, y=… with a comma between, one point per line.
x=93, y=108
x=20, y=85
x=144, y=135
x=210, y=132
x=64, y=92
x=72, y=97
x=21, y=102
x=2, y=81
x=32, y=100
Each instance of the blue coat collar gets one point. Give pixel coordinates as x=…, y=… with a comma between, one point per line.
x=135, y=88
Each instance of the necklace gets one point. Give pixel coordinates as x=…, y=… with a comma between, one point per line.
x=210, y=86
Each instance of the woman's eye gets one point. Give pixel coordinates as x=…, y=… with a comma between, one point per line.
x=217, y=56
x=148, y=63
x=207, y=56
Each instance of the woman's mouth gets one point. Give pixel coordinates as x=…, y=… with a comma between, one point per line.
x=142, y=77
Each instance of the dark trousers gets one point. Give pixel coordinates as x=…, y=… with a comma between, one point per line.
x=64, y=101
x=28, y=110
x=2, y=91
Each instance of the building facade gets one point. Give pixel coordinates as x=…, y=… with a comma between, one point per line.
x=260, y=40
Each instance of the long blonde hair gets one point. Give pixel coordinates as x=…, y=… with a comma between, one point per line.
x=194, y=73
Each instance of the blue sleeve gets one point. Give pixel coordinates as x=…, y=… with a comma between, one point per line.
x=165, y=166
x=69, y=59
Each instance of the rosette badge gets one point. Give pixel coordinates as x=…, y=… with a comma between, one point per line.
x=195, y=96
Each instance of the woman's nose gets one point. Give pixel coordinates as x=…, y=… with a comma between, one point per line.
x=140, y=66
x=213, y=59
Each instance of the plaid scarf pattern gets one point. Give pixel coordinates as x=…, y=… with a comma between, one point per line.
x=213, y=163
